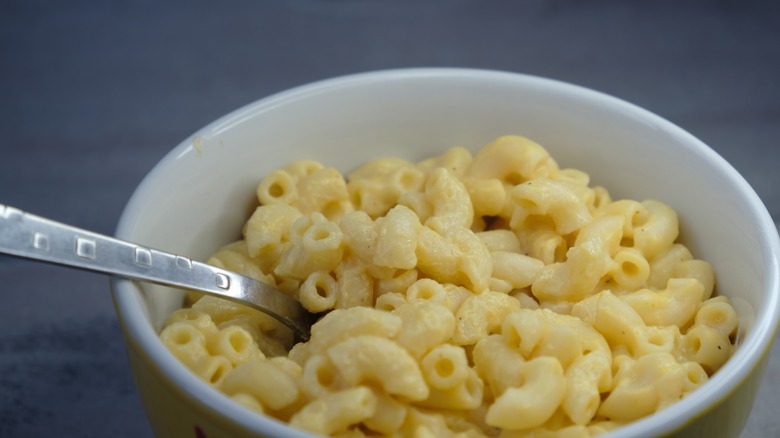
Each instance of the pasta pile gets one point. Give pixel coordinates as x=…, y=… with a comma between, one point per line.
x=487, y=294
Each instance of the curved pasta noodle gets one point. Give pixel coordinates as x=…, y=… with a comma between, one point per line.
x=272, y=386
x=186, y=342
x=498, y=364
x=614, y=319
x=389, y=415
x=445, y=366
x=324, y=191
x=481, y=314
x=719, y=315
x=707, y=347
x=488, y=196
x=657, y=229
x=466, y=395
x=517, y=270
x=354, y=283
x=378, y=360
x=561, y=201
x=234, y=343
x=278, y=187
x=319, y=292
x=319, y=377
x=455, y=159
x=396, y=242
x=513, y=160
x=534, y=402
x=454, y=255
x=336, y=412
x=500, y=240
x=675, y=305
x=390, y=301
x=644, y=385
x=426, y=289
x=577, y=277
x=423, y=325
x=316, y=245
x=268, y=227
x=586, y=379
x=631, y=269
x=449, y=199
x=342, y=324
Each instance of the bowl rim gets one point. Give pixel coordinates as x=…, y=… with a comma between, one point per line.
x=138, y=331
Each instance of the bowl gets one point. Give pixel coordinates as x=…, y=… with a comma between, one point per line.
x=200, y=194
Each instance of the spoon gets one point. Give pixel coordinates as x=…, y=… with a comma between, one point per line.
x=29, y=236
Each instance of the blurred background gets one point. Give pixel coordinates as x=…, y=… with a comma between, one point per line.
x=94, y=93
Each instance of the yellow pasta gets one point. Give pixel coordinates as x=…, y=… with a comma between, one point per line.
x=449, y=199
x=423, y=326
x=630, y=269
x=319, y=292
x=469, y=294
x=498, y=364
x=514, y=269
x=336, y=412
x=234, y=343
x=396, y=240
x=466, y=395
x=268, y=227
x=278, y=187
x=513, y=160
x=270, y=385
x=319, y=377
x=324, y=191
x=586, y=379
x=444, y=367
x=380, y=361
x=186, y=342
x=643, y=386
x=481, y=314
x=535, y=401
x=560, y=200
x=389, y=415
x=355, y=284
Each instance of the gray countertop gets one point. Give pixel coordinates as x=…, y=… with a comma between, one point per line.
x=93, y=93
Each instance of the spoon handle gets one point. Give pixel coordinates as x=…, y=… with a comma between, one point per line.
x=29, y=236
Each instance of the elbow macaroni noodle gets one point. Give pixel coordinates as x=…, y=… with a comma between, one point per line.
x=491, y=294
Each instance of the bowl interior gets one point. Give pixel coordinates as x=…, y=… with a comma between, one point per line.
x=199, y=196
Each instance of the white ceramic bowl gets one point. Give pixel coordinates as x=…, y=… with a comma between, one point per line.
x=199, y=195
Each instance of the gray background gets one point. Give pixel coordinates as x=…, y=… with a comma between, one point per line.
x=93, y=93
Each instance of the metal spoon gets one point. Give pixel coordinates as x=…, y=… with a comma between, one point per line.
x=25, y=235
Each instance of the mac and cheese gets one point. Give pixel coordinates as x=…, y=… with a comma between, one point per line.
x=487, y=294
